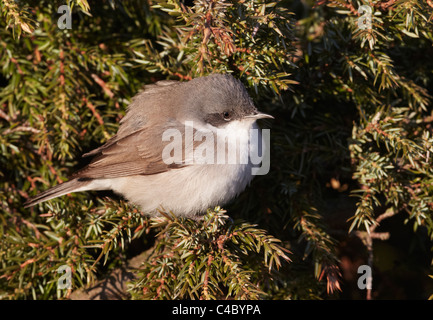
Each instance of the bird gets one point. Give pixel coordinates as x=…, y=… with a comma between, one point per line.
x=150, y=160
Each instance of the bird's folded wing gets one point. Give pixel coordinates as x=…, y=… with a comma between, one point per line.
x=138, y=153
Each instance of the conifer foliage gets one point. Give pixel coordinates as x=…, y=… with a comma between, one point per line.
x=348, y=82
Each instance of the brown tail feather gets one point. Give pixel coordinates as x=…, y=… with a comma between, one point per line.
x=57, y=191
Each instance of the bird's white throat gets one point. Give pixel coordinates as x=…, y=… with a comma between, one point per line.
x=239, y=142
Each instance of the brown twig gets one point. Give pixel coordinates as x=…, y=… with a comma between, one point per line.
x=23, y=128
x=367, y=238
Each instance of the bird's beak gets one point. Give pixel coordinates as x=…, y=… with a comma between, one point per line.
x=259, y=115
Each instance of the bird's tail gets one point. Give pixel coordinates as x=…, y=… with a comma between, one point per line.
x=74, y=185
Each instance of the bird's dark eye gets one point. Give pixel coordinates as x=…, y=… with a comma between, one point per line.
x=226, y=115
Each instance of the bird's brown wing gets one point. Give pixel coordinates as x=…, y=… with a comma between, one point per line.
x=139, y=112
x=136, y=149
x=139, y=153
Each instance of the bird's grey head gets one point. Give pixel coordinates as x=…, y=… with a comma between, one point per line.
x=219, y=99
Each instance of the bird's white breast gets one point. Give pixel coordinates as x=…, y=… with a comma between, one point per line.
x=194, y=188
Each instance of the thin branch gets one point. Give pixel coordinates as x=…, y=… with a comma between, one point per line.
x=367, y=238
x=23, y=128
